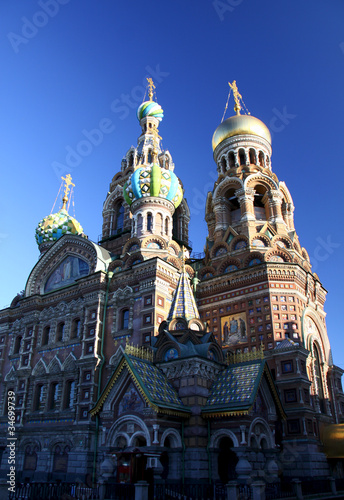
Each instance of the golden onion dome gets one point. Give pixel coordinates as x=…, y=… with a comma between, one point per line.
x=240, y=125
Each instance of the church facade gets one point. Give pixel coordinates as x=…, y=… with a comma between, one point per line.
x=130, y=355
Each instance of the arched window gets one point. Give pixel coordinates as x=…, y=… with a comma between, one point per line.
x=45, y=336
x=149, y=156
x=231, y=160
x=242, y=157
x=149, y=222
x=166, y=226
x=131, y=160
x=30, y=458
x=38, y=399
x=60, y=463
x=253, y=158
x=260, y=211
x=318, y=378
x=261, y=159
x=53, y=396
x=227, y=460
x=17, y=345
x=223, y=165
x=76, y=328
x=119, y=219
x=70, y=395
x=125, y=319
x=60, y=332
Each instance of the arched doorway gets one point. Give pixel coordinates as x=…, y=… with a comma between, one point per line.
x=226, y=460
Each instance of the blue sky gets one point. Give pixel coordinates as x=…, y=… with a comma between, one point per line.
x=69, y=67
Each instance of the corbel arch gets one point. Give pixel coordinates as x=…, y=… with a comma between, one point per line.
x=125, y=419
x=266, y=434
x=217, y=435
x=173, y=434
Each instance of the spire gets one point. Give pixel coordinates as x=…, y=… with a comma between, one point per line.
x=151, y=86
x=236, y=96
x=68, y=183
x=183, y=303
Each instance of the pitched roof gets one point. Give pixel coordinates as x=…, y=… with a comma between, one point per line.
x=153, y=385
x=236, y=387
x=183, y=303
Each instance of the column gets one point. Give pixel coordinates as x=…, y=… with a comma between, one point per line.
x=246, y=198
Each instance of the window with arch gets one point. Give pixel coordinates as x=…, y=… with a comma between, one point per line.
x=60, y=332
x=125, y=319
x=45, y=335
x=242, y=157
x=231, y=159
x=259, y=203
x=30, y=457
x=233, y=211
x=60, y=463
x=149, y=222
x=166, y=225
x=53, y=396
x=131, y=160
x=318, y=378
x=223, y=165
x=17, y=345
x=38, y=402
x=76, y=328
x=253, y=157
x=118, y=219
x=261, y=159
x=70, y=395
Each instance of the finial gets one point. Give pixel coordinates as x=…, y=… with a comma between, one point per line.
x=236, y=96
x=151, y=86
x=183, y=259
x=68, y=183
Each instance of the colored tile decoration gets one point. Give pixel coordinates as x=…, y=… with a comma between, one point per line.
x=152, y=180
x=235, y=386
x=52, y=227
x=157, y=386
x=150, y=108
x=183, y=303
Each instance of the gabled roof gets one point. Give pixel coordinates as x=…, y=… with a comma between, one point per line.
x=151, y=382
x=287, y=344
x=183, y=303
x=236, y=387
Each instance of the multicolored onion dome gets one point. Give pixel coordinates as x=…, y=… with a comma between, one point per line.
x=153, y=181
x=150, y=108
x=240, y=125
x=52, y=227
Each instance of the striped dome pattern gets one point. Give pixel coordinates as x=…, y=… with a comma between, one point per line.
x=52, y=227
x=150, y=108
x=153, y=181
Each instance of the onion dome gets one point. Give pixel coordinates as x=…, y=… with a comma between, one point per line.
x=52, y=227
x=240, y=125
x=150, y=108
x=153, y=181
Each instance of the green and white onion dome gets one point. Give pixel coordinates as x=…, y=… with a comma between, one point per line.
x=153, y=181
x=150, y=108
x=52, y=227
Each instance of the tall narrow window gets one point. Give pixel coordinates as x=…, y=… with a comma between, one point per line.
x=76, y=327
x=166, y=226
x=70, y=395
x=318, y=378
x=242, y=157
x=60, y=332
x=125, y=319
x=38, y=399
x=53, y=396
x=119, y=218
x=149, y=222
x=45, y=336
x=17, y=345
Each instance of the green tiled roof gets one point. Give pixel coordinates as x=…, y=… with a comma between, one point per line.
x=235, y=388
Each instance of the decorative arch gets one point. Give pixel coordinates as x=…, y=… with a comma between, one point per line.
x=173, y=434
x=281, y=242
x=174, y=261
x=215, y=438
x=135, y=435
x=254, y=256
x=216, y=250
x=40, y=369
x=236, y=240
x=225, y=266
x=273, y=254
x=11, y=375
x=114, y=430
x=154, y=239
x=69, y=363
x=55, y=365
x=207, y=272
x=134, y=259
x=258, y=178
x=267, y=434
x=130, y=243
x=190, y=271
x=173, y=245
x=227, y=183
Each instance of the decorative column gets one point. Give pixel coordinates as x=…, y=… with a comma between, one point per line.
x=243, y=438
x=246, y=198
x=155, y=430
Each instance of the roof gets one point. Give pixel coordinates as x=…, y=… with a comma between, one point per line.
x=152, y=384
x=183, y=303
x=235, y=389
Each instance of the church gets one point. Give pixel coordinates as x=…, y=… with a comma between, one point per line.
x=133, y=355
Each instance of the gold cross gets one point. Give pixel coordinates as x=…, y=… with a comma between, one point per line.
x=236, y=96
x=151, y=86
x=68, y=183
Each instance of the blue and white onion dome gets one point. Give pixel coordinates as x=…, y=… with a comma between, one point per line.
x=150, y=108
x=52, y=227
x=152, y=180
